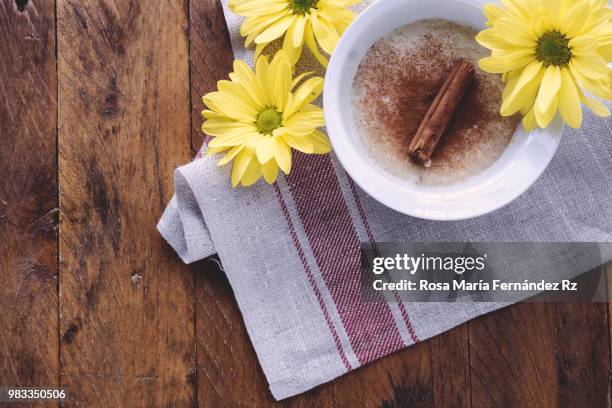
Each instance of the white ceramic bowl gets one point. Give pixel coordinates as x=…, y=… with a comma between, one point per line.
x=514, y=172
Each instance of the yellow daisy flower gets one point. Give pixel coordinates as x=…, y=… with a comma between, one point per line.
x=257, y=117
x=300, y=21
x=547, y=50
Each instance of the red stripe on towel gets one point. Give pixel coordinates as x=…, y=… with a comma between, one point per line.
x=366, y=224
x=313, y=283
x=324, y=215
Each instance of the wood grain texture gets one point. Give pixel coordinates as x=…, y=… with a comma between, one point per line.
x=228, y=372
x=28, y=195
x=541, y=355
x=451, y=368
x=127, y=306
x=403, y=379
x=609, y=299
x=210, y=57
x=132, y=326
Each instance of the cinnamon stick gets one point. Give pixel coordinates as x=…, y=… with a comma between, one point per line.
x=440, y=112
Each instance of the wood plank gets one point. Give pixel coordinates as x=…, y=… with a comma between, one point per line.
x=541, y=355
x=402, y=379
x=609, y=301
x=210, y=54
x=29, y=318
x=451, y=368
x=127, y=303
x=434, y=373
x=228, y=371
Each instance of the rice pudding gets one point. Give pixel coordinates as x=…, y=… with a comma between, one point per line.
x=394, y=87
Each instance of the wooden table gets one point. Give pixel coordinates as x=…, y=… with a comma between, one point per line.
x=99, y=102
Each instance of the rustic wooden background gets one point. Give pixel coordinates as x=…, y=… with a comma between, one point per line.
x=99, y=102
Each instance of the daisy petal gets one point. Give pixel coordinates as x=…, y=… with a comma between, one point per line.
x=544, y=118
x=241, y=163
x=254, y=25
x=326, y=34
x=254, y=7
x=259, y=50
x=208, y=114
x=551, y=83
x=276, y=30
x=524, y=90
x=515, y=8
x=493, y=12
x=510, y=79
x=300, y=129
x=592, y=66
x=251, y=174
x=299, y=78
x=599, y=19
x=245, y=76
x=583, y=45
x=282, y=154
x=320, y=143
x=606, y=51
x=261, y=74
x=553, y=10
x=265, y=149
x=312, y=46
x=569, y=100
x=305, y=93
x=299, y=143
x=491, y=39
x=240, y=94
x=600, y=88
x=298, y=31
x=230, y=155
x=514, y=33
x=230, y=105
x=235, y=139
x=529, y=120
x=224, y=129
x=215, y=150
x=595, y=106
x=280, y=78
x=575, y=18
x=308, y=113
x=294, y=52
x=270, y=171
x=507, y=62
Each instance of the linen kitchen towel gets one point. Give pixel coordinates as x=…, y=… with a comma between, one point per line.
x=291, y=251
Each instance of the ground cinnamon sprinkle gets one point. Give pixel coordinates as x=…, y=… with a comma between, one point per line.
x=395, y=86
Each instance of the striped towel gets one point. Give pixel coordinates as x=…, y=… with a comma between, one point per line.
x=291, y=251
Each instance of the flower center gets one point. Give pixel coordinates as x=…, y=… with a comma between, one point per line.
x=268, y=120
x=553, y=49
x=302, y=6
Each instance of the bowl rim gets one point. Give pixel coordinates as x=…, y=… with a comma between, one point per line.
x=336, y=129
